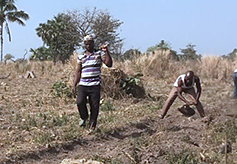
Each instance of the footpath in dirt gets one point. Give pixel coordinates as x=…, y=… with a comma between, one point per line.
x=148, y=141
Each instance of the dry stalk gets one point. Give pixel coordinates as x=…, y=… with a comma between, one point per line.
x=129, y=156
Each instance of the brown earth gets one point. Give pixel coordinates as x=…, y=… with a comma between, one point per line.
x=140, y=138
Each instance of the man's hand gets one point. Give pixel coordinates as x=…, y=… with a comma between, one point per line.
x=190, y=103
x=104, y=47
x=107, y=60
x=73, y=89
x=195, y=102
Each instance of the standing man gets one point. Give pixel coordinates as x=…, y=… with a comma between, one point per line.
x=88, y=76
x=185, y=83
x=235, y=83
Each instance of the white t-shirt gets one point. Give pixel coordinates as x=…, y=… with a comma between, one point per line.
x=184, y=85
x=235, y=70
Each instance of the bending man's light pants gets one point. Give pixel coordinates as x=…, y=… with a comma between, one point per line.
x=173, y=95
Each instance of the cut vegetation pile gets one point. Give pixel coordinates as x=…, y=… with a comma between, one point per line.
x=116, y=84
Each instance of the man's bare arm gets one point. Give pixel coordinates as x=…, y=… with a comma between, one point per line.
x=107, y=59
x=199, y=88
x=77, y=77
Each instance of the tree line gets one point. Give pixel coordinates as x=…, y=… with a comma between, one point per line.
x=188, y=53
x=63, y=34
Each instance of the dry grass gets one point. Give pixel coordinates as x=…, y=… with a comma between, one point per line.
x=159, y=65
x=216, y=68
x=31, y=117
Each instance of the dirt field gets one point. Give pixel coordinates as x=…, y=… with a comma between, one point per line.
x=38, y=126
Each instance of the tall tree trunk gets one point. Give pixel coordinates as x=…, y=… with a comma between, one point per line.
x=1, y=34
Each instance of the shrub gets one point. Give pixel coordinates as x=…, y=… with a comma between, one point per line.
x=132, y=85
x=60, y=89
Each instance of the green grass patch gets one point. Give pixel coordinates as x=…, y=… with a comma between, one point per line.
x=43, y=137
x=107, y=105
x=183, y=157
x=228, y=129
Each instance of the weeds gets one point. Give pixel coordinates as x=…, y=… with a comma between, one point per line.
x=37, y=123
x=43, y=137
x=183, y=157
x=45, y=127
x=28, y=122
x=71, y=132
x=152, y=108
x=107, y=160
x=172, y=128
x=140, y=142
x=228, y=128
x=40, y=120
x=39, y=102
x=60, y=120
x=107, y=119
x=107, y=106
x=24, y=103
x=60, y=89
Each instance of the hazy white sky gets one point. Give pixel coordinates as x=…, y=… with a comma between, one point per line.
x=208, y=24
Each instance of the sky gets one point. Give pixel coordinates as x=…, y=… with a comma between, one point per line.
x=211, y=25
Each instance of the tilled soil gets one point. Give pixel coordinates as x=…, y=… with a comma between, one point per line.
x=150, y=140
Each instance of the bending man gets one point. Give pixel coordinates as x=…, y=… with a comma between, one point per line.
x=185, y=83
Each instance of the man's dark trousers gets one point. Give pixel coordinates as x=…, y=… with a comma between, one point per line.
x=93, y=95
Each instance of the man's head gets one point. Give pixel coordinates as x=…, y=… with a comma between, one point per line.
x=189, y=76
x=89, y=43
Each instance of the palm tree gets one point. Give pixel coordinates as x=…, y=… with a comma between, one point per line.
x=9, y=13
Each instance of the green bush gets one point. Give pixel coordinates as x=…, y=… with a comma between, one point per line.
x=60, y=89
x=132, y=85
